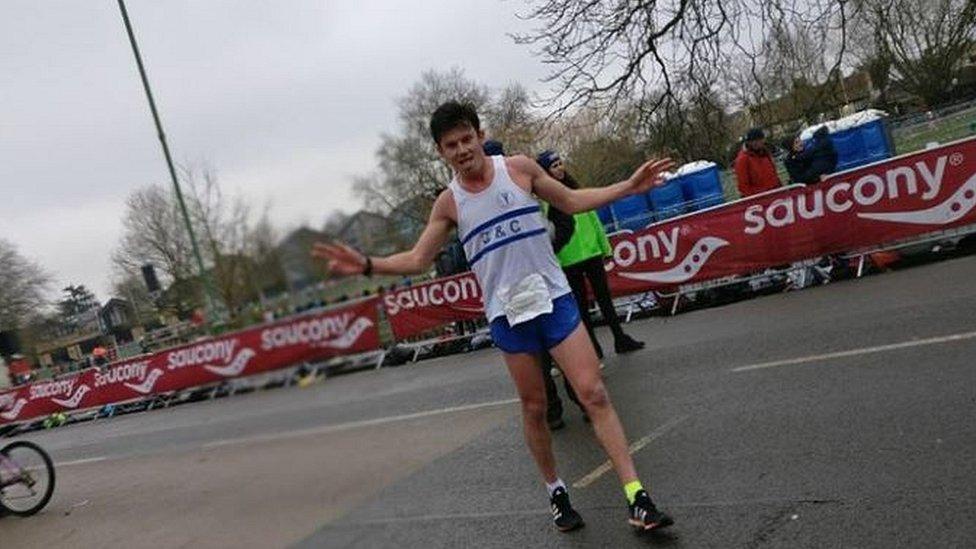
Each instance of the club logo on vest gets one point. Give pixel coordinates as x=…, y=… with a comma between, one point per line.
x=506, y=198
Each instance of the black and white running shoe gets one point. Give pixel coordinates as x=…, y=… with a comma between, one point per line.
x=563, y=515
x=645, y=516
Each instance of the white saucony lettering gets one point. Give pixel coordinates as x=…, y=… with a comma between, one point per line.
x=867, y=190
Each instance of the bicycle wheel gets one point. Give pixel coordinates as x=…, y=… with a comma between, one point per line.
x=26, y=477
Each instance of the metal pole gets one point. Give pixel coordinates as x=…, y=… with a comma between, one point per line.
x=204, y=276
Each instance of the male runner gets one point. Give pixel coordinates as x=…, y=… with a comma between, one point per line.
x=528, y=301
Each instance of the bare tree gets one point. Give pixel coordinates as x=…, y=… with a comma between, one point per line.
x=132, y=288
x=597, y=149
x=23, y=288
x=613, y=54
x=153, y=232
x=869, y=54
x=226, y=231
x=408, y=164
x=925, y=42
x=511, y=119
x=236, y=250
x=694, y=125
x=410, y=173
x=262, y=248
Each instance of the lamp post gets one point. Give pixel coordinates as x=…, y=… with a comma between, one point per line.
x=204, y=275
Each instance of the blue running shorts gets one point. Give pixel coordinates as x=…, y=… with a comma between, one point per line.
x=542, y=332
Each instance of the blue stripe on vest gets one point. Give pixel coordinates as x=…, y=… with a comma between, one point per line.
x=507, y=215
x=504, y=242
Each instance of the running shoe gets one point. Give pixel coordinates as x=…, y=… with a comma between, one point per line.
x=645, y=516
x=563, y=515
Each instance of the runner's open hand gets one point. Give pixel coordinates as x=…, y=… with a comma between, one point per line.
x=649, y=175
x=342, y=259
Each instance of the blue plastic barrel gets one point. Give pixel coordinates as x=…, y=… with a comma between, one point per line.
x=606, y=217
x=850, y=148
x=632, y=212
x=877, y=145
x=869, y=141
x=702, y=189
x=668, y=200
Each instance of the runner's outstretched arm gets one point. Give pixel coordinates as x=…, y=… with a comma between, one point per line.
x=646, y=177
x=344, y=260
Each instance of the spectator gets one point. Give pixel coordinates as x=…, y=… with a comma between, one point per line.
x=755, y=171
x=809, y=164
x=99, y=357
x=19, y=369
x=581, y=256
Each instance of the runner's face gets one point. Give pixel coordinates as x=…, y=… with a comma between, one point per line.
x=461, y=148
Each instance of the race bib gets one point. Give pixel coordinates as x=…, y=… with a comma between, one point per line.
x=526, y=299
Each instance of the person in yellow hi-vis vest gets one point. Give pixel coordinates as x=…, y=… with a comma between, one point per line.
x=581, y=256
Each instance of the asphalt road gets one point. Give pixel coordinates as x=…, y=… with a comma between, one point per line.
x=841, y=416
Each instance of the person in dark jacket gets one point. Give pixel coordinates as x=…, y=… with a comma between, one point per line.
x=808, y=164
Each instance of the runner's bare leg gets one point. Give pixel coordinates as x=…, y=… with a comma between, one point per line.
x=578, y=361
x=525, y=372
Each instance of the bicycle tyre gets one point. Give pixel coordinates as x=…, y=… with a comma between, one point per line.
x=49, y=490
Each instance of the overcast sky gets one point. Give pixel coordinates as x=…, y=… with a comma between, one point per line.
x=285, y=99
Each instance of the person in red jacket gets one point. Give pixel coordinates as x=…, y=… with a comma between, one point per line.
x=755, y=170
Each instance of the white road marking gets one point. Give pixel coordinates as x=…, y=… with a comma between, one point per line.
x=640, y=443
x=357, y=424
x=857, y=352
x=79, y=462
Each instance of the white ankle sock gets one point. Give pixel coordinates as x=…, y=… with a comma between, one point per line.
x=552, y=487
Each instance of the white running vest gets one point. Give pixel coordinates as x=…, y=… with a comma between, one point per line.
x=505, y=239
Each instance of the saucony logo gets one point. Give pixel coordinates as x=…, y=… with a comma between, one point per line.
x=689, y=266
x=14, y=411
x=147, y=384
x=236, y=366
x=346, y=340
x=75, y=399
x=949, y=211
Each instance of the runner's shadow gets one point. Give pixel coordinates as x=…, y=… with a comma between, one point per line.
x=659, y=538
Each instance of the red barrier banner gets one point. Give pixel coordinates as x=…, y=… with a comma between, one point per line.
x=904, y=197
x=314, y=336
x=418, y=308
x=908, y=196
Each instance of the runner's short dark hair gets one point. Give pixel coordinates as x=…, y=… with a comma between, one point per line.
x=451, y=115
